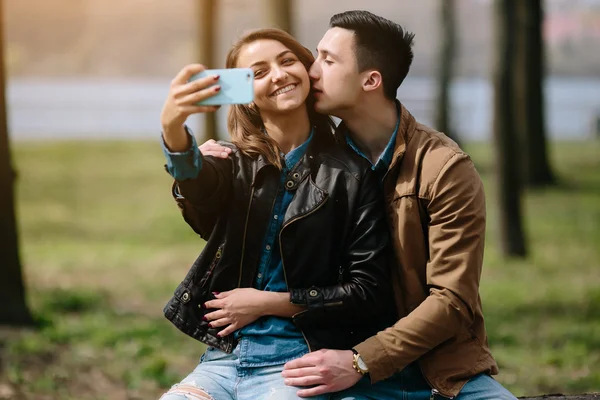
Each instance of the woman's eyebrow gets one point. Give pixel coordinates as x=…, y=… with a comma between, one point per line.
x=277, y=56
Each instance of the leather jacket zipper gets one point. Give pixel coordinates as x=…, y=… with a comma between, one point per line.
x=213, y=264
x=282, y=258
x=244, y=237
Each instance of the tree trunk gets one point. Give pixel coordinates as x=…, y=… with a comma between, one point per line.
x=446, y=67
x=509, y=188
x=279, y=14
x=530, y=73
x=207, y=37
x=13, y=309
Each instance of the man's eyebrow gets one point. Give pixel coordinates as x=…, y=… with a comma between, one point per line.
x=326, y=53
x=277, y=56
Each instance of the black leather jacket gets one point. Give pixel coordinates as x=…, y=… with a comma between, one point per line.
x=333, y=242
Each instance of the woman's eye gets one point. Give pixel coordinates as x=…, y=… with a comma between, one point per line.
x=288, y=61
x=328, y=62
x=259, y=73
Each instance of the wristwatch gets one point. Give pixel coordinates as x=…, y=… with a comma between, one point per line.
x=358, y=364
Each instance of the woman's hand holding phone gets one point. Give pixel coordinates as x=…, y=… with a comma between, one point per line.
x=181, y=103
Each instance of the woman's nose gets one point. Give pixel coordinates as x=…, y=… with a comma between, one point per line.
x=279, y=74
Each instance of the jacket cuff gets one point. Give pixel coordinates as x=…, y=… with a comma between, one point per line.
x=373, y=353
x=311, y=298
x=183, y=165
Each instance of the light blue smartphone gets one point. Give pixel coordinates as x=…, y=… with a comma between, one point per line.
x=237, y=86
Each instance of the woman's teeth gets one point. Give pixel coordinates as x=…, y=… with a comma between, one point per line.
x=284, y=90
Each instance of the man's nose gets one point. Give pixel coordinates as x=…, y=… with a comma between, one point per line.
x=314, y=72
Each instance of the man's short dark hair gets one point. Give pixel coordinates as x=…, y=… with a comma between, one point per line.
x=380, y=44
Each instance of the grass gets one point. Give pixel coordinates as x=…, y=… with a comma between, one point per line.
x=104, y=246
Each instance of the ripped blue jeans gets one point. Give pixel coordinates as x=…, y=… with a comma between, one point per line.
x=221, y=377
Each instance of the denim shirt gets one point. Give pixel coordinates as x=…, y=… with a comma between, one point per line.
x=269, y=340
x=385, y=159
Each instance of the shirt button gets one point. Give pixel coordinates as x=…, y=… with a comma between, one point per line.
x=259, y=275
x=276, y=217
x=268, y=247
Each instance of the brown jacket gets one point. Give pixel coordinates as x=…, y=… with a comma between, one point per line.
x=436, y=209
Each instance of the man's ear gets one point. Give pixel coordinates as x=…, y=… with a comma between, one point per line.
x=372, y=80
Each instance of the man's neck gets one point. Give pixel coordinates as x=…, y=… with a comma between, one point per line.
x=289, y=129
x=372, y=125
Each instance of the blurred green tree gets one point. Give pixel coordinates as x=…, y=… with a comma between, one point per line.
x=529, y=101
x=207, y=13
x=512, y=237
x=445, y=67
x=13, y=309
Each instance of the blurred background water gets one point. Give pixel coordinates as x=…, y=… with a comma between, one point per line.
x=130, y=108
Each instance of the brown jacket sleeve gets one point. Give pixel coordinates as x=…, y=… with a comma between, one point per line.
x=456, y=207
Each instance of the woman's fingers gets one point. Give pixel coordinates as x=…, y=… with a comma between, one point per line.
x=186, y=73
x=189, y=110
x=219, y=322
x=215, y=315
x=194, y=98
x=198, y=84
x=227, y=331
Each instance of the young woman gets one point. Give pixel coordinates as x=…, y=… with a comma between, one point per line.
x=296, y=253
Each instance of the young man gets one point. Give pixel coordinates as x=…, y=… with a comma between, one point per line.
x=436, y=211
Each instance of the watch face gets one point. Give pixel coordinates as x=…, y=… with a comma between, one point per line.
x=361, y=364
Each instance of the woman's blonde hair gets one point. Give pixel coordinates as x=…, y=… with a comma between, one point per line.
x=245, y=124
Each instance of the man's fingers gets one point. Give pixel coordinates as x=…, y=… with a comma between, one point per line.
x=304, y=381
x=322, y=389
x=301, y=362
x=215, y=150
x=300, y=372
x=186, y=73
x=216, y=154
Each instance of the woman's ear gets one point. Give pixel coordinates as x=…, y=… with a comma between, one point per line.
x=372, y=80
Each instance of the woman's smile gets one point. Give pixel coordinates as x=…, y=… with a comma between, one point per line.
x=283, y=90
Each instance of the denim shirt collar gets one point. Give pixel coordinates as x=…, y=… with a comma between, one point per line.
x=292, y=158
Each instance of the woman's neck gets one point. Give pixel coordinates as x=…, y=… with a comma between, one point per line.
x=289, y=129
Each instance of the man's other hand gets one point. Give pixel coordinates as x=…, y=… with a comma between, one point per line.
x=327, y=370
x=212, y=148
